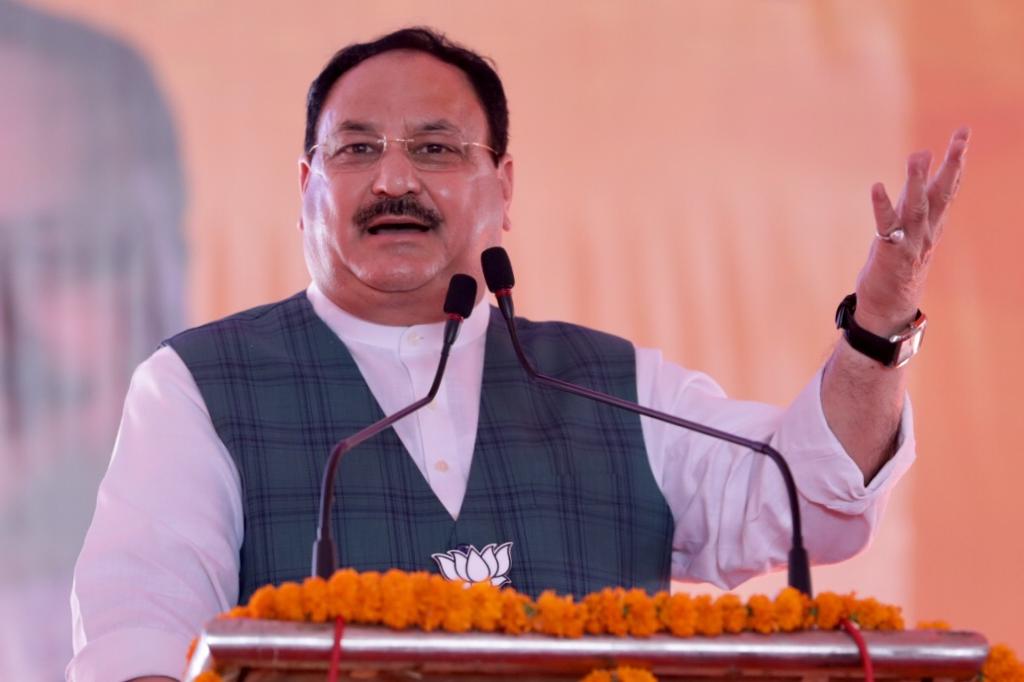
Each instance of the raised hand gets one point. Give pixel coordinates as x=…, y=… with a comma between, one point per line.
x=891, y=283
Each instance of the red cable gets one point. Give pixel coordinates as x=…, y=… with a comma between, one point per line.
x=862, y=646
x=339, y=630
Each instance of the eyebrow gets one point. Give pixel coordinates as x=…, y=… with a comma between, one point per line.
x=439, y=124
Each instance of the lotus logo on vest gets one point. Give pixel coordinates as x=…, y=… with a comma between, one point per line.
x=471, y=565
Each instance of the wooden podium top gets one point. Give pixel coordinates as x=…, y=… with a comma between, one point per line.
x=276, y=650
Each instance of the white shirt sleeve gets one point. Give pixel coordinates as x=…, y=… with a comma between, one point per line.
x=731, y=511
x=161, y=556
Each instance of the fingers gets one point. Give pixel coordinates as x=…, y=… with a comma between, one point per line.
x=946, y=182
x=914, y=207
x=886, y=218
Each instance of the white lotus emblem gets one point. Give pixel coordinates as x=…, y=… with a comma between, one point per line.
x=489, y=564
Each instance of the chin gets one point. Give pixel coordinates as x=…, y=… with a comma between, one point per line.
x=399, y=278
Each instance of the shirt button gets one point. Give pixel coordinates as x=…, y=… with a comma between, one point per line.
x=441, y=465
x=414, y=339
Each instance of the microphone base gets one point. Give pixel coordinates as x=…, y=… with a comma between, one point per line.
x=800, y=570
x=325, y=558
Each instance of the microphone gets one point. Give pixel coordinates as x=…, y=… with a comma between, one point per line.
x=458, y=304
x=500, y=280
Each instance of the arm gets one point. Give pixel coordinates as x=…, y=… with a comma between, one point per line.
x=161, y=555
x=861, y=398
x=732, y=517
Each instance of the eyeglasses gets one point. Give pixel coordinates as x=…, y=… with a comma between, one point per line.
x=428, y=151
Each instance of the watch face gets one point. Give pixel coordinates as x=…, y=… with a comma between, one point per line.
x=910, y=343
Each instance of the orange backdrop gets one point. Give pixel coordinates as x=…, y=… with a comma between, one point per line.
x=692, y=175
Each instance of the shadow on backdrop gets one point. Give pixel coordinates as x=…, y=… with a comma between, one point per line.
x=91, y=279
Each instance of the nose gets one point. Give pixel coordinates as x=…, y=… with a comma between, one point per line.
x=394, y=174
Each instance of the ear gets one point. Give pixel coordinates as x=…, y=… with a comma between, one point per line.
x=304, y=174
x=506, y=178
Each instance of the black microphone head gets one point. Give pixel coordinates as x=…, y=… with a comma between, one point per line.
x=461, y=295
x=497, y=269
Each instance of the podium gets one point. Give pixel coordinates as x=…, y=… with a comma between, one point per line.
x=274, y=651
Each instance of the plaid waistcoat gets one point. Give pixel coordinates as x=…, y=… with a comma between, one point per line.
x=566, y=480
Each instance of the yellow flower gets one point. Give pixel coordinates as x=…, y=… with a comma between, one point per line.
x=1002, y=665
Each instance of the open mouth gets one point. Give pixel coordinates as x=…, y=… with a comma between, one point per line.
x=398, y=228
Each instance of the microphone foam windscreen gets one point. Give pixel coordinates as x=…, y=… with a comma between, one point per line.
x=497, y=269
x=461, y=295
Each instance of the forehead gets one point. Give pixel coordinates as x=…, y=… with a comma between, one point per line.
x=398, y=91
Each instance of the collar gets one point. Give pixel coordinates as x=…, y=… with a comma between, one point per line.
x=352, y=329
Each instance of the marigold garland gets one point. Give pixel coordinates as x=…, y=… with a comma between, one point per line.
x=430, y=602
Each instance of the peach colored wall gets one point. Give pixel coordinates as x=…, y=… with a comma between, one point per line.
x=693, y=175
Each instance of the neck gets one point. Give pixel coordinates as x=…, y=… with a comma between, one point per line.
x=393, y=309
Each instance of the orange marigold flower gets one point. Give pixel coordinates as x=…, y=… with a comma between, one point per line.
x=431, y=600
x=709, y=617
x=761, y=614
x=1002, y=665
x=342, y=594
x=679, y=615
x=605, y=612
x=486, y=604
x=597, y=676
x=368, y=599
x=830, y=609
x=236, y=612
x=399, y=610
x=641, y=614
x=458, y=616
x=517, y=612
x=263, y=603
x=734, y=613
x=314, y=599
x=559, y=616
x=933, y=625
x=627, y=674
x=289, y=601
x=789, y=609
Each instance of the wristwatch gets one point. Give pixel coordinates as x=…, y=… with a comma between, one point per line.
x=891, y=351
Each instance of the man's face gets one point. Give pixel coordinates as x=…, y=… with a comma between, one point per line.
x=360, y=258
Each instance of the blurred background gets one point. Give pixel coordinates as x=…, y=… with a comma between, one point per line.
x=693, y=175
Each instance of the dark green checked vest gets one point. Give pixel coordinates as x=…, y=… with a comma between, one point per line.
x=567, y=481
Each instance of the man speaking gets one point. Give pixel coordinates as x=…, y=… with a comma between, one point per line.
x=405, y=179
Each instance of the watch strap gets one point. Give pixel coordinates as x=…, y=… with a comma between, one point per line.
x=885, y=350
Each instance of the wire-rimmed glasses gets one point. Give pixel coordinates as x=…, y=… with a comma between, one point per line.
x=428, y=151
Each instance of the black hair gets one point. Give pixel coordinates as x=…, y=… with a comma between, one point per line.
x=478, y=69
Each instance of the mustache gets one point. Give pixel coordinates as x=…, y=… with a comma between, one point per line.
x=404, y=205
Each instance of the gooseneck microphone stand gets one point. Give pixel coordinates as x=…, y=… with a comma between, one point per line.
x=458, y=305
x=498, y=273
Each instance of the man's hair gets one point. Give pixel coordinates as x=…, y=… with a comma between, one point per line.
x=478, y=69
